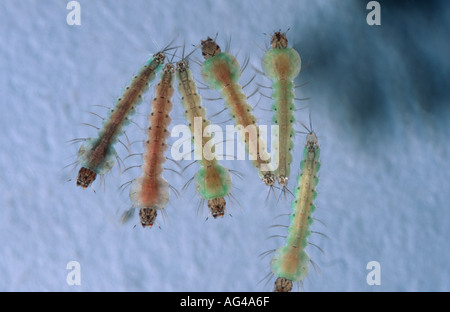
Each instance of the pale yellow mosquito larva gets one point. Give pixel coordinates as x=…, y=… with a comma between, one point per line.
x=213, y=181
x=221, y=71
x=291, y=262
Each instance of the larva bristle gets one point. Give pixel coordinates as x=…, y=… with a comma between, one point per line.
x=283, y=285
x=85, y=177
x=147, y=216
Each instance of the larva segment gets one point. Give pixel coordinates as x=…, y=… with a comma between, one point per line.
x=150, y=191
x=291, y=262
x=97, y=155
x=213, y=181
x=221, y=71
x=282, y=65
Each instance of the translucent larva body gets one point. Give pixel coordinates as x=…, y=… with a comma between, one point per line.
x=221, y=71
x=291, y=262
x=213, y=181
x=282, y=64
x=150, y=192
x=97, y=155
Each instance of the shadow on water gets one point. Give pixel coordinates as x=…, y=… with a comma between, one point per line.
x=376, y=75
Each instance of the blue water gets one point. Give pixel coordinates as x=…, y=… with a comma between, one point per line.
x=378, y=99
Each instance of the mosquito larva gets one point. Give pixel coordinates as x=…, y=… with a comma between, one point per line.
x=282, y=64
x=97, y=155
x=291, y=262
x=150, y=191
x=213, y=181
x=221, y=71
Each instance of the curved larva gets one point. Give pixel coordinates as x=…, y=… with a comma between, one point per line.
x=221, y=71
x=213, y=181
x=291, y=262
x=97, y=155
x=282, y=65
x=150, y=191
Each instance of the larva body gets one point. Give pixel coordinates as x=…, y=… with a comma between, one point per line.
x=150, y=192
x=291, y=262
x=282, y=64
x=97, y=155
x=221, y=71
x=213, y=181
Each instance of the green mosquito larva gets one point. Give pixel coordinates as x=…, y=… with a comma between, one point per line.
x=282, y=64
x=150, y=191
x=291, y=262
x=97, y=155
x=213, y=181
x=221, y=71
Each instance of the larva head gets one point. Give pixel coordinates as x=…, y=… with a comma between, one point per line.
x=217, y=206
x=182, y=65
x=85, y=177
x=282, y=180
x=311, y=141
x=169, y=68
x=159, y=57
x=147, y=216
x=279, y=40
x=269, y=179
x=282, y=285
x=210, y=48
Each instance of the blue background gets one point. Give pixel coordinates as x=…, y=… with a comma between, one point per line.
x=379, y=102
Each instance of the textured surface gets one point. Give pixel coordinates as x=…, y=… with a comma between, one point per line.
x=379, y=106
